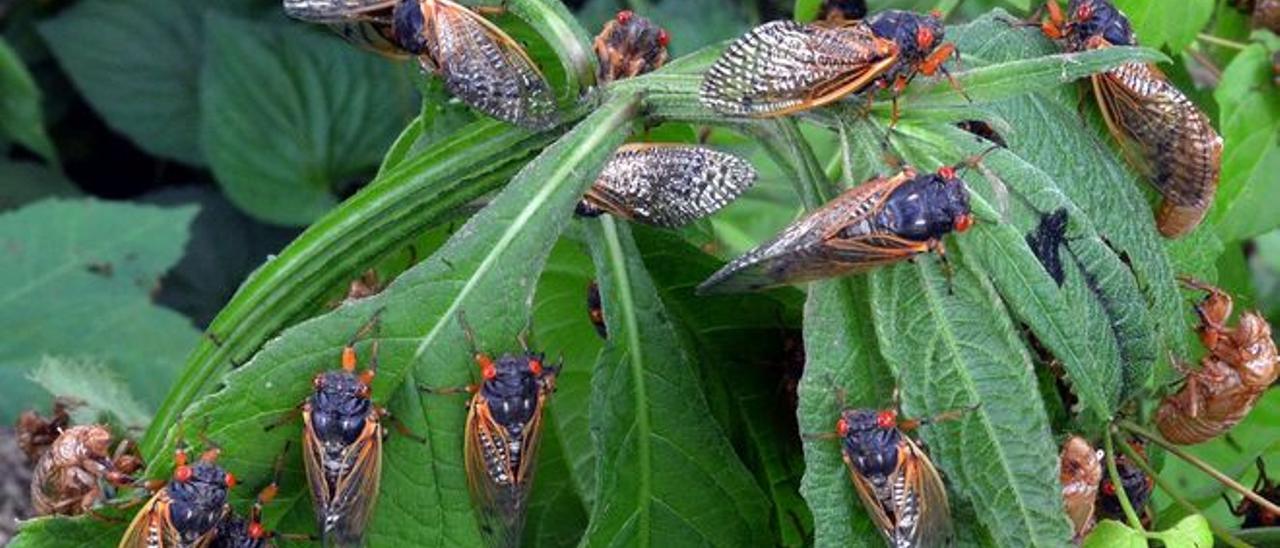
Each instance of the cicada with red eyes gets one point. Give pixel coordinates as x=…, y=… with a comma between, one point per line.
x=897, y=483
x=1253, y=513
x=1161, y=132
x=882, y=221
x=628, y=46
x=666, y=185
x=1137, y=488
x=504, y=427
x=187, y=510
x=342, y=437
x=479, y=63
x=1241, y=365
x=1080, y=472
x=783, y=67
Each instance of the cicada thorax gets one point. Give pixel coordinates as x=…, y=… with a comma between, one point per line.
x=1080, y=471
x=1137, y=487
x=895, y=480
x=1162, y=133
x=666, y=185
x=882, y=221
x=628, y=46
x=504, y=426
x=186, y=511
x=71, y=476
x=1241, y=364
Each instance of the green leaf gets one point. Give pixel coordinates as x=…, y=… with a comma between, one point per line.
x=95, y=388
x=21, y=116
x=1250, y=126
x=1192, y=532
x=24, y=182
x=289, y=116
x=807, y=10
x=1113, y=534
x=1157, y=26
x=666, y=473
x=76, y=281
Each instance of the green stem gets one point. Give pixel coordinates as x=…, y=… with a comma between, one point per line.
x=1221, y=42
x=1202, y=465
x=1114, y=476
x=1177, y=497
x=572, y=44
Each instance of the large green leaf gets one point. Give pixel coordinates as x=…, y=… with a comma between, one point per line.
x=77, y=281
x=1250, y=126
x=21, y=116
x=25, y=182
x=289, y=116
x=666, y=473
x=1156, y=25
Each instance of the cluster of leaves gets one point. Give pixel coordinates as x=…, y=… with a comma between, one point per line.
x=679, y=426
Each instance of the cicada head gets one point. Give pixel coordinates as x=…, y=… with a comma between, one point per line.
x=927, y=207
x=512, y=387
x=1092, y=19
x=338, y=407
x=916, y=35
x=198, y=498
x=630, y=45
x=870, y=441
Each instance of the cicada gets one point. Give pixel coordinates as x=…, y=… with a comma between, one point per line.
x=1161, y=132
x=504, y=426
x=1241, y=364
x=783, y=67
x=480, y=64
x=187, y=510
x=1080, y=471
x=628, y=46
x=1137, y=488
x=238, y=532
x=882, y=221
x=72, y=476
x=1254, y=514
x=595, y=309
x=836, y=11
x=894, y=478
x=342, y=445
x=666, y=185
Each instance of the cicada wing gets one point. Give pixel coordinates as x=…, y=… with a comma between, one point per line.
x=783, y=67
x=925, y=498
x=870, y=502
x=344, y=504
x=494, y=484
x=838, y=238
x=150, y=526
x=335, y=11
x=486, y=69
x=1164, y=136
x=669, y=185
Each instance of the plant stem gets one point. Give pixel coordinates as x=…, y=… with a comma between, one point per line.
x=1177, y=497
x=1202, y=465
x=1221, y=42
x=1121, y=494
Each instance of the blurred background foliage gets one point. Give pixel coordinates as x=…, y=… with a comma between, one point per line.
x=153, y=153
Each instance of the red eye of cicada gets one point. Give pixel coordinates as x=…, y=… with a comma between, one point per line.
x=842, y=427
x=535, y=367
x=624, y=16
x=663, y=38
x=963, y=223
x=1084, y=12
x=488, y=371
x=182, y=474
x=947, y=172
x=887, y=419
x=924, y=37
x=230, y=480
x=256, y=531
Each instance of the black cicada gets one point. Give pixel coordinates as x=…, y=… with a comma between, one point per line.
x=187, y=510
x=237, y=532
x=666, y=185
x=480, y=64
x=1254, y=514
x=1161, y=132
x=504, y=426
x=1137, y=487
x=342, y=446
x=784, y=67
x=628, y=46
x=882, y=221
x=894, y=478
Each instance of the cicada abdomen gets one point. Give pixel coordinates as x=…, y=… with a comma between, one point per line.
x=898, y=485
x=1080, y=471
x=783, y=67
x=187, y=510
x=70, y=478
x=504, y=427
x=480, y=64
x=1240, y=366
x=628, y=46
x=882, y=221
x=666, y=185
x=342, y=447
x=1162, y=133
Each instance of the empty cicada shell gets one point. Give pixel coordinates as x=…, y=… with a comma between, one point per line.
x=882, y=221
x=1080, y=471
x=629, y=46
x=1161, y=132
x=36, y=433
x=666, y=185
x=70, y=477
x=784, y=67
x=1240, y=366
x=480, y=64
